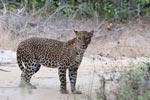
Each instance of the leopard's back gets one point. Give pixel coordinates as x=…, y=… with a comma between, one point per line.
x=40, y=50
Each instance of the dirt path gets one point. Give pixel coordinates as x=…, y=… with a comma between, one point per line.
x=47, y=83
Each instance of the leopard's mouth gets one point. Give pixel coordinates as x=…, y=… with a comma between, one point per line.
x=84, y=47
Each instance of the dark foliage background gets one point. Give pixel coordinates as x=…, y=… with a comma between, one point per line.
x=121, y=10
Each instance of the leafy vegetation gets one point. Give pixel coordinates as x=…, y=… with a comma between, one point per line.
x=109, y=9
x=134, y=84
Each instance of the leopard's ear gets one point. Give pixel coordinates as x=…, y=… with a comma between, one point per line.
x=76, y=32
x=92, y=31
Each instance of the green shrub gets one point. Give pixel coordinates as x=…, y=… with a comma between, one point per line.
x=134, y=84
x=108, y=9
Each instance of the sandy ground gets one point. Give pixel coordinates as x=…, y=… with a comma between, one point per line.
x=47, y=83
x=47, y=80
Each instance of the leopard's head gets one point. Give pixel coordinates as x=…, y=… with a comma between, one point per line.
x=83, y=38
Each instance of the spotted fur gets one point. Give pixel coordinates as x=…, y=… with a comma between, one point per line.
x=34, y=52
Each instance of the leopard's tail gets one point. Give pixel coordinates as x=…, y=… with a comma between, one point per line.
x=19, y=61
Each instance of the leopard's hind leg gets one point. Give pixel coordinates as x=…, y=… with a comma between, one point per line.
x=30, y=69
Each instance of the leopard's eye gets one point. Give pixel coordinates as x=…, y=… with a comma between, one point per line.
x=87, y=40
x=79, y=38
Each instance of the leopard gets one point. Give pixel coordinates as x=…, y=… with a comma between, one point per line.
x=63, y=55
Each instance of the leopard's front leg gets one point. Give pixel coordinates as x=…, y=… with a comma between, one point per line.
x=62, y=78
x=73, y=77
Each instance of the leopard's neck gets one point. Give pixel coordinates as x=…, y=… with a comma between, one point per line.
x=70, y=42
x=77, y=46
x=75, y=50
